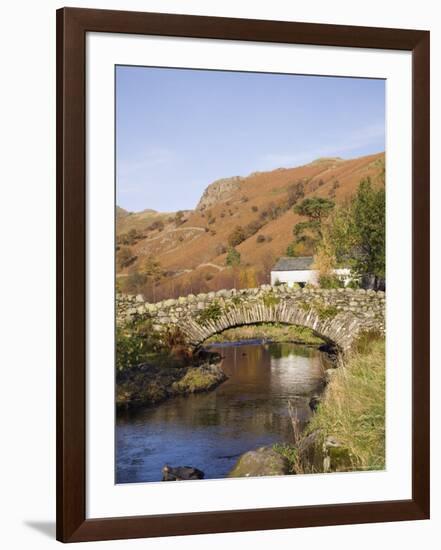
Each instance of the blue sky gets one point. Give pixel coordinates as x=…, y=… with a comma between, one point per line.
x=178, y=130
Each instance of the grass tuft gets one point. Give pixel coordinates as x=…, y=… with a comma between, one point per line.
x=353, y=411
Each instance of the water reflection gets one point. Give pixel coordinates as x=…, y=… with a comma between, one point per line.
x=210, y=430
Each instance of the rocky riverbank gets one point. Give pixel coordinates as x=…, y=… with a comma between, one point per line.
x=149, y=384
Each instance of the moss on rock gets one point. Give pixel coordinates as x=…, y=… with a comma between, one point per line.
x=264, y=461
x=149, y=384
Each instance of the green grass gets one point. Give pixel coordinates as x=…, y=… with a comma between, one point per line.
x=353, y=410
x=268, y=331
x=196, y=380
x=325, y=312
x=270, y=300
x=290, y=453
x=211, y=313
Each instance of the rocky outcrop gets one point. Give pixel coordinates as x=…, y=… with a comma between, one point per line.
x=264, y=461
x=218, y=191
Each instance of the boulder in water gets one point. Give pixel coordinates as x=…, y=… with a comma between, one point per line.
x=181, y=473
x=264, y=461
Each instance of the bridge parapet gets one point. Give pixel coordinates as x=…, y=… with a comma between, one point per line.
x=337, y=315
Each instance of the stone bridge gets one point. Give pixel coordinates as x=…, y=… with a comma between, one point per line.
x=337, y=315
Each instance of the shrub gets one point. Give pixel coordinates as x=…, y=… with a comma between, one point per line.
x=134, y=342
x=172, y=337
x=125, y=257
x=254, y=208
x=325, y=311
x=233, y=257
x=291, y=250
x=237, y=236
x=179, y=218
x=132, y=237
x=210, y=313
x=129, y=350
x=252, y=228
x=260, y=238
x=296, y=191
x=157, y=224
x=237, y=299
x=134, y=282
x=330, y=281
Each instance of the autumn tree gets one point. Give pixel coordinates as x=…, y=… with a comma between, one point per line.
x=354, y=235
x=125, y=257
x=248, y=277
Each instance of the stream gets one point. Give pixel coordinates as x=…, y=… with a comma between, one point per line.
x=211, y=430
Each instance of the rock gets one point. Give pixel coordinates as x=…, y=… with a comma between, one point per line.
x=314, y=402
x=337, y=457
x=181, y=473
x=218, y=191
x=261, y=462
x=223, y=293
x=329, y=374
x=310, y=451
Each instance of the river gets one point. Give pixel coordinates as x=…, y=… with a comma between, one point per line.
x=211, y=430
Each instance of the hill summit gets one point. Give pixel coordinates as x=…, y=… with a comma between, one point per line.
x=187, y=252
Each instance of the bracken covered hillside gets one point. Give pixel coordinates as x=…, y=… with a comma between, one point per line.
x=176, y=253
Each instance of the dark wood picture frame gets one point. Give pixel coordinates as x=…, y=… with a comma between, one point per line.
x=72, y=26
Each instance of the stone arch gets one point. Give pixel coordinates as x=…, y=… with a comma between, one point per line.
x=340, y=330
x=336, y=315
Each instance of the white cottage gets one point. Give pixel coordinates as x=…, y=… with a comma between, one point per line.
x=299, y=270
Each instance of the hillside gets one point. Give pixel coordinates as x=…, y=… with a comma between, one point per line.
x=185, y=252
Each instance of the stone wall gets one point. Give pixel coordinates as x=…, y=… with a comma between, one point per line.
x=336, y=315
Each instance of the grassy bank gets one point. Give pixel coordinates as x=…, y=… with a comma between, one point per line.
x=353, y=411
x=268, y=331
x=347, y=432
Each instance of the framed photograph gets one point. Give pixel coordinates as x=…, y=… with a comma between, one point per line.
x=242, y=276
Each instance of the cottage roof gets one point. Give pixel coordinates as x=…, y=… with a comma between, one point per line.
x=301, y=263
